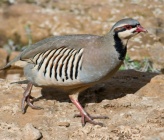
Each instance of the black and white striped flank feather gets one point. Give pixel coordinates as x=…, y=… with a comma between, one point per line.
x=60, y=64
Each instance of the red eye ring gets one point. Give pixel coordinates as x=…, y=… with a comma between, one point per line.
x=128, y=27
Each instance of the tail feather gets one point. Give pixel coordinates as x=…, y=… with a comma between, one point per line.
x=8, y=65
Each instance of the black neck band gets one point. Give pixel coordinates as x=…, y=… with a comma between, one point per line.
x=120, y=48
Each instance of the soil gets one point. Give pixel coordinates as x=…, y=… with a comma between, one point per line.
x=132, y=100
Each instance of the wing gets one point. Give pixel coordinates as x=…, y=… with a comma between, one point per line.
x=70, y=41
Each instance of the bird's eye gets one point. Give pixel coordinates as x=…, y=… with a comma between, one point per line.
x=128, y=27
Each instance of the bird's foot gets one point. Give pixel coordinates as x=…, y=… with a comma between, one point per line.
x=27, y=99
x=85, y=117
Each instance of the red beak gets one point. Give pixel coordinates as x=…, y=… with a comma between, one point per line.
x=140, y=29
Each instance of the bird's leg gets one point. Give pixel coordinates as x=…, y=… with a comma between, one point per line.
x=85, y=117
x=26, y=98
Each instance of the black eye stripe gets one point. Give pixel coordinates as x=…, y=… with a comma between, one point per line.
x=133, y=26
x=123, y=28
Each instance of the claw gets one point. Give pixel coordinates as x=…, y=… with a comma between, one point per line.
x=86, y=117
x=91, y=118
x=26, y=98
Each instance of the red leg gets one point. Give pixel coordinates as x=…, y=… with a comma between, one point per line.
x=85, y=117
x=26, y=98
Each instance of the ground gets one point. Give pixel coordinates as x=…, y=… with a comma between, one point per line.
x=132, y=100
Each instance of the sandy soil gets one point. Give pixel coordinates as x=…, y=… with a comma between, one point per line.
x=132, y=100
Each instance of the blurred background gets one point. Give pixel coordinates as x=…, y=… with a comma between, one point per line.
x=24, y=22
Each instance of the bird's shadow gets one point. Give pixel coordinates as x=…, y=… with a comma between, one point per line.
x=123, y=83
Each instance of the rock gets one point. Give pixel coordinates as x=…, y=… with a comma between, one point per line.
x=31, y=133
x=66, y=124
x=153, y=89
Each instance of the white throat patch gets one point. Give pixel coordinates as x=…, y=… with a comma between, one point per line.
x=127, y=34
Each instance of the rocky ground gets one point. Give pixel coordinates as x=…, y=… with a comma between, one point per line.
x=132, y=100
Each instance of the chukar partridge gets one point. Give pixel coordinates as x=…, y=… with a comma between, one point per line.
x=76, y=62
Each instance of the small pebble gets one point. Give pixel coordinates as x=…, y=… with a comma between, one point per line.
x=66, y=124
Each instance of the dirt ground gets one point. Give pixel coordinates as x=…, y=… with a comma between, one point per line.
x=132, y=100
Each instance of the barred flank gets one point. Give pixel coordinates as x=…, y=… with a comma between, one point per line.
x=60, y=64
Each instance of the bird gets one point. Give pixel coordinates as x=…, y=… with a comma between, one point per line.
x=75, y=62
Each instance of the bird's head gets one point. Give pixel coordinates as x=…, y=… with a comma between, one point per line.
x=127, y=28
